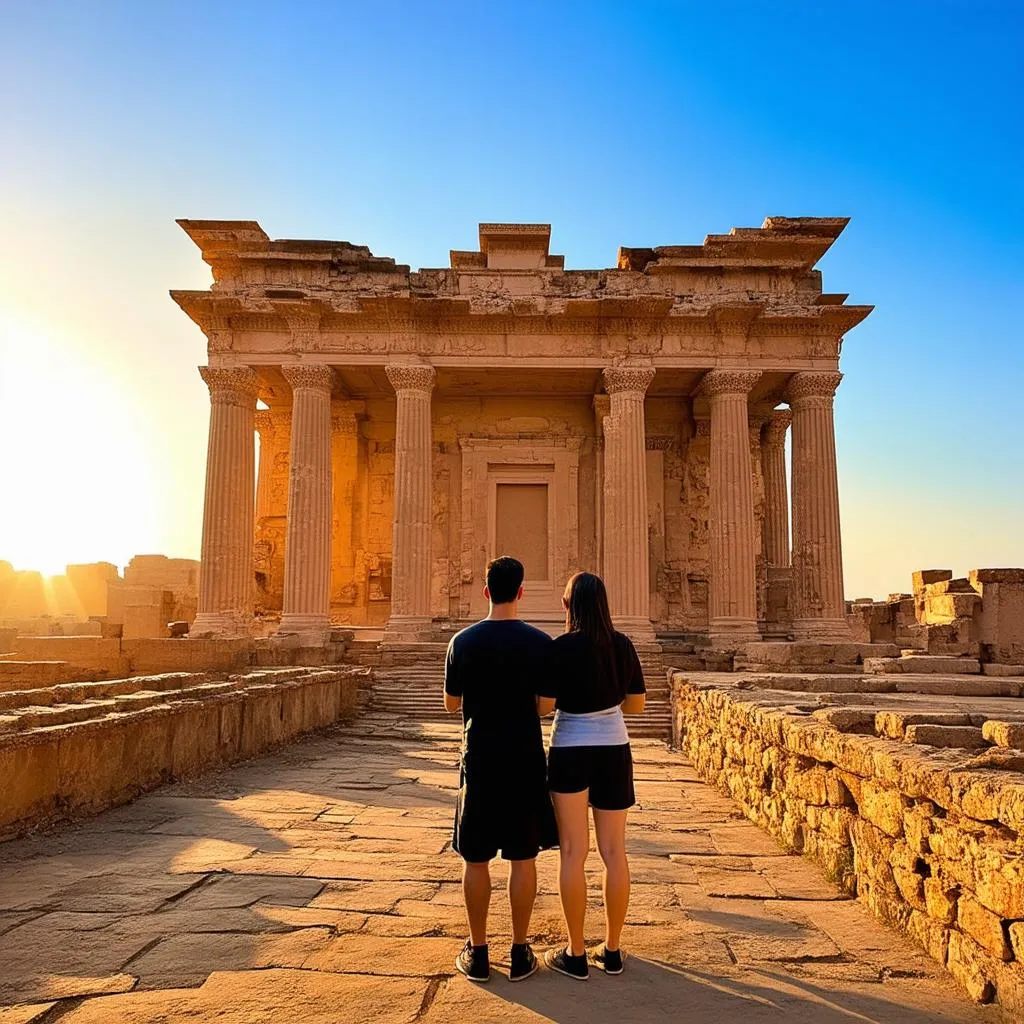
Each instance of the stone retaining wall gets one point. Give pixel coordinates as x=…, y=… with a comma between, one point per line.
x=78, y=749
x=933, y=844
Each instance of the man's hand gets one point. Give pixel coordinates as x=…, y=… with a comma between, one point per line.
x=452, y=704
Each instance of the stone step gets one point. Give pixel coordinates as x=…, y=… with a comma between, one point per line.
x=923, y=664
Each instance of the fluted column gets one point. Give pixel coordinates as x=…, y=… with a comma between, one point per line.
x=626, y=566
x=411, y=554
x=773, y=467
x=819, y=608
x=733, y=604
x=307, y=552
x=225, y=575
x=265, y=428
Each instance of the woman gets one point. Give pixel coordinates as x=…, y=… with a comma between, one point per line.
x=596, y=677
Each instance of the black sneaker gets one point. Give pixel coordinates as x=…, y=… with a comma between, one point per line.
x=607, y=960
x=564, y=962
x=473, y=962
x=524, y=963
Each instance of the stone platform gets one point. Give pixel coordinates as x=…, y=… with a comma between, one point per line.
x=317, y=885
x=77, y=748
x=907, y=790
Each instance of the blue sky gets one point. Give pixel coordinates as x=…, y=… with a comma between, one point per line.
x=402, y=126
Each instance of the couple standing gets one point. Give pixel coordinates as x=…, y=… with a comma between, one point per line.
x=504, y=675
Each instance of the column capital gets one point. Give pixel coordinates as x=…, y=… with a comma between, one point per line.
x=776, y=427
x=224, y=379
x=729, y=382
x=308, y=375
x=628, y=378
x=264, y=422
x=411, y=376
x=812, y=384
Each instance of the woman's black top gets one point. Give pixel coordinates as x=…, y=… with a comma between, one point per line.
x=586, y=676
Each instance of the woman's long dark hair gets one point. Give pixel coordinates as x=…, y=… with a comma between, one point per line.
x=586, y=608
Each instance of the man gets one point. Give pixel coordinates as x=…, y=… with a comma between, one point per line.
x=493, y=672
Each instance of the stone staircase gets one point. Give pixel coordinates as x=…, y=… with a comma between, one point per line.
x=412, y=687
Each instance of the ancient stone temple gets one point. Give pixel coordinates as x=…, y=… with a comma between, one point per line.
x=412, y=424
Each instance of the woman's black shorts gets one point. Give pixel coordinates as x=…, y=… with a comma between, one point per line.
x=606, y=771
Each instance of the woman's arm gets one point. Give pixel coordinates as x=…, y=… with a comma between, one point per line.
x=634, y=703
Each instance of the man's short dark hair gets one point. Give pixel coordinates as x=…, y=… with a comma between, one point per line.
x=504, y=578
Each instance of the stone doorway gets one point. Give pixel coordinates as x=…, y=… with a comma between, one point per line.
x=520, y=498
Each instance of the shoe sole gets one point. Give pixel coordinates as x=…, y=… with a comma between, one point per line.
x=469, y=977
x=529, y=974
x=605, y=969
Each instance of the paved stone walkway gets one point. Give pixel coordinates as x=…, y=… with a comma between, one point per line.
x=317, y=885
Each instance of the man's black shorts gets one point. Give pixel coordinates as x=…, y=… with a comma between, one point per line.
x=513, y=818
x=606, y=771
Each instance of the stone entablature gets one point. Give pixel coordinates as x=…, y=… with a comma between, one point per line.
x=753, y=293
x=665, y=372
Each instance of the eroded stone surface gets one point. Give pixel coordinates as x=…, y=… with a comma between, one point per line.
x=897, y=806
x=721, y=920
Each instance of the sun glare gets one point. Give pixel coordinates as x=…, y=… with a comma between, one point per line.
x=78, y=485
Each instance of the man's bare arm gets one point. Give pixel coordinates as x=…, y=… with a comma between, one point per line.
x=545, y=706
x=452, y=704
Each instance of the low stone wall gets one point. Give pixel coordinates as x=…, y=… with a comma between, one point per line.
x=77, y=749
x=930, y=839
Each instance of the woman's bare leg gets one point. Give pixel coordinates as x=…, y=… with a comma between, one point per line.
x=574, y=845
x=611, y=842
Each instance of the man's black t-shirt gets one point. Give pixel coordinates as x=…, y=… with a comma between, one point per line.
x=497, y=667
x=584, y=677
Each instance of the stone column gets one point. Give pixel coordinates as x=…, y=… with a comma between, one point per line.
x=626, y=565
x=225, y=576
x=733, y=603
x=265, y=428
x=819, y=607
x=307, y=551
x=773, y=467
x=411, y=551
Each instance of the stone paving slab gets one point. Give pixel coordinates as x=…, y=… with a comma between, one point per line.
x=318, y=885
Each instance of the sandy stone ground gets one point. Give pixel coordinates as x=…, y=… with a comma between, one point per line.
x=317, y=885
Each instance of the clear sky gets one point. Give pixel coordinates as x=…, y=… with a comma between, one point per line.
x=403, y=125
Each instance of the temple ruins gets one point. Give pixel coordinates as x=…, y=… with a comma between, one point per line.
x=415, y=423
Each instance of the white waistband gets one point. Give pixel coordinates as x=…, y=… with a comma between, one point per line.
x=605, y=728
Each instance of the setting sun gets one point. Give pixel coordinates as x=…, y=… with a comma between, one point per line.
x=75, y=465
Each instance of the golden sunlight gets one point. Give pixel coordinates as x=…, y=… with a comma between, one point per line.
x=79, y=484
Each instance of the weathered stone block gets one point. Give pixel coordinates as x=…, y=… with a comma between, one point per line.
x=997, y=576
x=29, y=772
x=1004, y=734
x=992, y=668
x=985, y=927
x=930, y=934
x=1016, y=931
x=940, y=899
x=971, y=966
x=922, y=577
x=883, y=808
x=961, y=736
